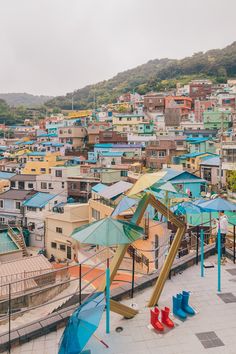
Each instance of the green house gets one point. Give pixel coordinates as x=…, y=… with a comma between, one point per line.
x=200, y=145
x=213, y=119
x=146, y=128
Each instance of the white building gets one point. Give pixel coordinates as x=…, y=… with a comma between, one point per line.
x=34, y=215
x=55, y=182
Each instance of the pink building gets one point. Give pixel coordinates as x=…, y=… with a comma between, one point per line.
x=201, y=106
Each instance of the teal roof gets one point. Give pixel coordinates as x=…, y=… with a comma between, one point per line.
x=112, y=154
x=197, y=140
x=31, y=142
x=98, y=187
x=39, y=200
x=103, y=145
x=36, y=153
x=6, y=175
x=178, y=177
x=49, y=135
x=193, y=154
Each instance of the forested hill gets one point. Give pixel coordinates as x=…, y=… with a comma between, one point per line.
x=158, y=74
x=24, y=99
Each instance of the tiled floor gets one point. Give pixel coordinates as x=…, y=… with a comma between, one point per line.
x=211, y=330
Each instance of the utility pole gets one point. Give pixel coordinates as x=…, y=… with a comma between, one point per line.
x=221, y=150
x=72, y=102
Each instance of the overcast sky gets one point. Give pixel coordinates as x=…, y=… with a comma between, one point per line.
x=56, y=46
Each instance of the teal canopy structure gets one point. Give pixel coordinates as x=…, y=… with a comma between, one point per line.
x=108, y=232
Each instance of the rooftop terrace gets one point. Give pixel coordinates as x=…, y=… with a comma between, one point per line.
x=211, y=330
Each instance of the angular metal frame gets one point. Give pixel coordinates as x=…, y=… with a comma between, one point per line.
x=148, y=199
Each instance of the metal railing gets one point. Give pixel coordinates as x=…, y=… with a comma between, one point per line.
x=84, y=278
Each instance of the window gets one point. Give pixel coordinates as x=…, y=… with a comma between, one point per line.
x=13, y=184
x=58, y=173
x=59, y=230
x=73, y=186
x=83, y=186
x=95, y=214
x=62, y=184
x=30, y=185
x=124, y=173
x=31, y=226
x=53, y=245
x=18, y=205
x=62, y=247
x=43, y=170
x=33, y=169
x=43, y=185
x=162, y=153
x=31, y=208
x=50, y=186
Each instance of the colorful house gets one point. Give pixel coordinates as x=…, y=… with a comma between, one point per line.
x=215, y=118
x=200, y=145
x=34, y=214
x=41, y=162
x=183, y=181
x=192, y=160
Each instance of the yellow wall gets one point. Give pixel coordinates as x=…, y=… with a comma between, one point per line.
x=74, y=216
x=4, y=185
x=125, y=124
x=34, y=165
x=195, y=163
x=101, y=208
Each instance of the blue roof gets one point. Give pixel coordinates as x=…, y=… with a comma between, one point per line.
x=49, y=135
x=211, y=161
x=6, y=175
x=51, y=143
x=112, y=153
x=39, y=200
x=98, y=187
x=30, y=142
x=103, y=145
x=124, y=146
x=178, y=177
x=197, y=140
x=36, y=153
x=3, y=147
x=57, y=144
x=46, y=143
x=193, y=154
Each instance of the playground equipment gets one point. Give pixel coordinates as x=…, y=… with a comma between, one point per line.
x=148, y=199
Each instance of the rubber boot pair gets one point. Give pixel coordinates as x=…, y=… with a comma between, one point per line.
x=155, y=322
x=181, y=306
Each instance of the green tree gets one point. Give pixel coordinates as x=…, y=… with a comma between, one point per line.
x=232, y=180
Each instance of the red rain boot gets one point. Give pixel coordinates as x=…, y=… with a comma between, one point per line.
x=154, y=320
x=165, y=318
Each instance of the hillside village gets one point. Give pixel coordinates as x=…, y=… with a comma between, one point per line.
x=76, y=167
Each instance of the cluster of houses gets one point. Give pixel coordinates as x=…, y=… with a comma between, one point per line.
x=71, y=168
